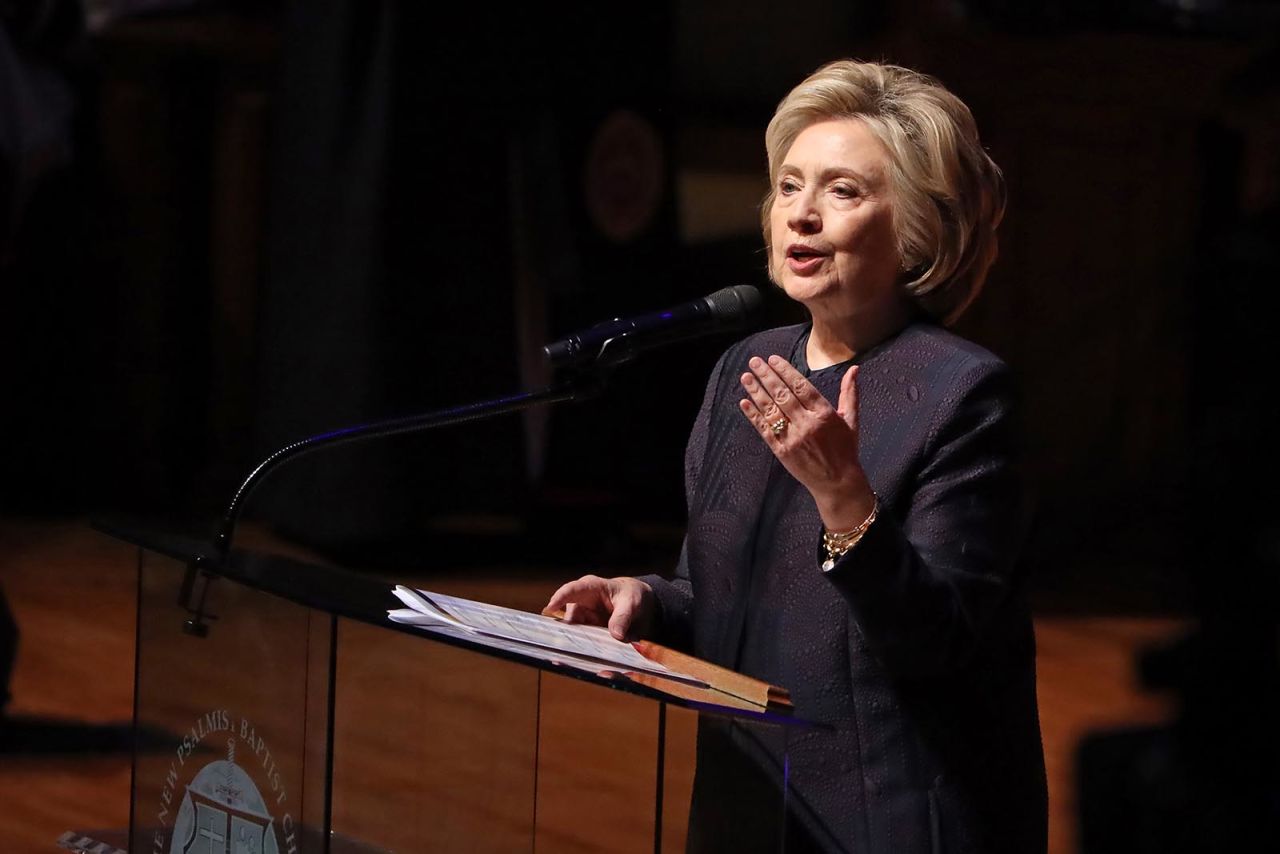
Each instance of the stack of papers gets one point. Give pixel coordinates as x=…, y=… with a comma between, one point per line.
x=589, y=648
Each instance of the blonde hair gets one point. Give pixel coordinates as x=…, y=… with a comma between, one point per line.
x=949, y=196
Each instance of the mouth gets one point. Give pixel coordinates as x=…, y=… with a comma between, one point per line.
x=803, y=260
x=801, y=252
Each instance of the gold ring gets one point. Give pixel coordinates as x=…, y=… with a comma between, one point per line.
x=779, y=427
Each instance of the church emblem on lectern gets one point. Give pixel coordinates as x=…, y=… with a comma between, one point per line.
x=221, y=810
x=223, y=813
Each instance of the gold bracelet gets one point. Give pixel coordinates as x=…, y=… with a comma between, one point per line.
x=836, y=545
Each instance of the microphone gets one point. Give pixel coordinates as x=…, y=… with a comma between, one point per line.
x=619, y=339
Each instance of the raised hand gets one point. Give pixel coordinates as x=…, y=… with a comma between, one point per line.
x=815, y=442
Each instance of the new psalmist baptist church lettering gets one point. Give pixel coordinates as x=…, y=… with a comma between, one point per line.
x=221, y=810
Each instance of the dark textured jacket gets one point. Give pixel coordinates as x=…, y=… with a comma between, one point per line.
x=915, y=652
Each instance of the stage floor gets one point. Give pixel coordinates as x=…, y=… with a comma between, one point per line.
x=63, y=757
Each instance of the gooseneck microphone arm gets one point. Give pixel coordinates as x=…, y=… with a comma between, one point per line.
x=577, y=387
x=587, y=356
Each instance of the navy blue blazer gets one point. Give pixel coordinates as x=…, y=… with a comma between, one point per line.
x=916, y=650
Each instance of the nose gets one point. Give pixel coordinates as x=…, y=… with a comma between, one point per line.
x=803, y=217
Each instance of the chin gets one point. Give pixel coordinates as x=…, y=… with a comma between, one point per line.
x=805, y=289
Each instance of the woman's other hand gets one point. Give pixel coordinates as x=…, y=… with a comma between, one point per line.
x=816, y=443
x=623, y=604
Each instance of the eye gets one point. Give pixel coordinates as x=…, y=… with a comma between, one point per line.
x=787, y=186
x=844, y=191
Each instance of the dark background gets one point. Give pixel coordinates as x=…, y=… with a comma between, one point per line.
x=226, y=226
x=263, y=220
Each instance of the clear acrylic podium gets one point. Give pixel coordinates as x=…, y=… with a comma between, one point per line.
x=278, y=710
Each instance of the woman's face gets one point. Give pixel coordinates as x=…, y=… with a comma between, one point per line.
x=831, y=225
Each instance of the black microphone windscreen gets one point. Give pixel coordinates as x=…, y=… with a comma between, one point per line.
x=734, y=303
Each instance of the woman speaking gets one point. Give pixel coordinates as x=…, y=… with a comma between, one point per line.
x=853, y=506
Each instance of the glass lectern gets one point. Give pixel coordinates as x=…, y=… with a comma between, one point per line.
x=278, y=710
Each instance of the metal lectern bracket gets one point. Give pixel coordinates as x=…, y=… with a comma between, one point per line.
x=196, y=575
